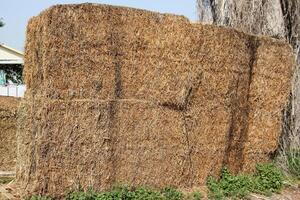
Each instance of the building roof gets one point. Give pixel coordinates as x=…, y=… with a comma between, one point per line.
x=9, y=55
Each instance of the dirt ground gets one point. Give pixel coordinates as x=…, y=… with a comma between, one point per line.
x=287, y=194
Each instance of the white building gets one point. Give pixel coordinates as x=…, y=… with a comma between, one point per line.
x=9, y=58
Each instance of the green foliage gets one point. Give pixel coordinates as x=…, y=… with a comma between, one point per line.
x=39, y=198
x=293, y=162
x=125, y=193
x=267, y=179
x=146, y=193
x=229, y=185
x=172, y=194
x=129, y=193
x=13, y=73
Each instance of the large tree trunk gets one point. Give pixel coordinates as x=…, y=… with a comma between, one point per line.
x=276, y=18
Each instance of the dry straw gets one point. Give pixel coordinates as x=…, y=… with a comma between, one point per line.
x=119, y=95
x=8, y=129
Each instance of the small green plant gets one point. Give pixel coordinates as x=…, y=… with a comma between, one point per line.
x=172, y=194
x=293, y=162
x=229, y=185
x=39, y=198
x=215, y=189
x=130, y=193
x=266, y=180
x=147, y=194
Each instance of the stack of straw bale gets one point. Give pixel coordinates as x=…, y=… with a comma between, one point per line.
x=119, y=95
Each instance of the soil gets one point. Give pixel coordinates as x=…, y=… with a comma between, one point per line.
x=291, y=193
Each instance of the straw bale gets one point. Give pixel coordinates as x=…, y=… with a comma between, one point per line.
x=120, y=95
x=97, y=161
x=269, y=86
x=114, y=45
x=8, y=129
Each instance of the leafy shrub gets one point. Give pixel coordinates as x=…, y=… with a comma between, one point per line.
x=267, y=179
x=215, y=190
x=229, y=185
x=39, y=198
x=172, y=194
x=293, y=162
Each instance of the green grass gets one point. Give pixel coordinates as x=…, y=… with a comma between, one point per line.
x=266, y=180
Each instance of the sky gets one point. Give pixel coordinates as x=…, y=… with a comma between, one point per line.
x=16, y=13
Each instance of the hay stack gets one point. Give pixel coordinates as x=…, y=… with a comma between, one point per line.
x=119, y=95
x=8, y=129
